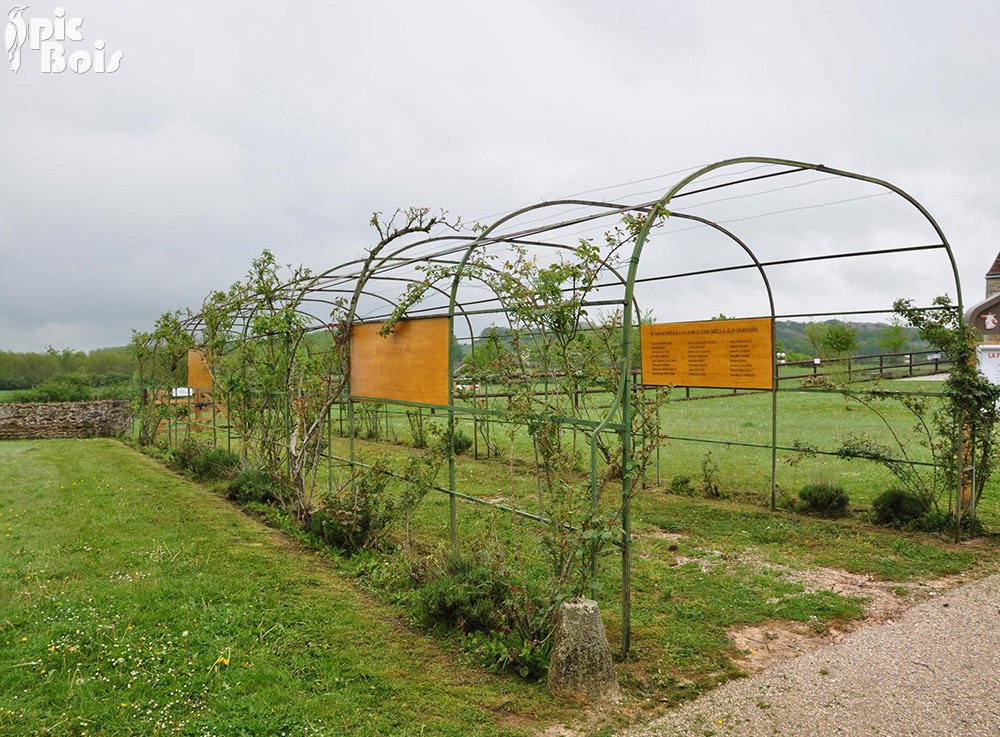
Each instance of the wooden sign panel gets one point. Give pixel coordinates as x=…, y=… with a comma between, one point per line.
x=198, y=374
x=408, y=365
x=730, y=354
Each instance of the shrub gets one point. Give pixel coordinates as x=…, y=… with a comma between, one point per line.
x=681, y=485
x=827, y=500
x=357, y=518
x=896, y=507
x=202, y=461
x=464, y=595
x=182, y=456
x=462, y=441
x=216, y=463
x=507, y=622
x=62, y=388
x=255, y=485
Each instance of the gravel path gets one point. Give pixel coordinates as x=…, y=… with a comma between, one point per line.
x=933, y=672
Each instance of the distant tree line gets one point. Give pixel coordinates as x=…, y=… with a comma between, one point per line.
x=838, y=339
x=65, y=375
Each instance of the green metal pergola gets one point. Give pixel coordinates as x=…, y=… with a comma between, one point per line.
x=377, y=286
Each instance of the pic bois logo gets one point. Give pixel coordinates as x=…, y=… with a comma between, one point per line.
x=55, y=41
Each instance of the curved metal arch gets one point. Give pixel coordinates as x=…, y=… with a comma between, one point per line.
x=483, y=238
x=355, y=278
x=657, y=209
x=803, y=166
x=431, y=286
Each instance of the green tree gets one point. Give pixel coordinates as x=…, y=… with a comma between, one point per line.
x=893, y=338
x=816, y=335
x=839, y=341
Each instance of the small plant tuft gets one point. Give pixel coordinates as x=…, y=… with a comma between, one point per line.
x=256, y=485
x=826, y=500
x=681, y=484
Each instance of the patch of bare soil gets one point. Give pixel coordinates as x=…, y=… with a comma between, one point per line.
x=769, y=642
x=660, y=535
x=590, y=720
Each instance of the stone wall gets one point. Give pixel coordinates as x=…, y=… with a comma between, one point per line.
x=105, y=418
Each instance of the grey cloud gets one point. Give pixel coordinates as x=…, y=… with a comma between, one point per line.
x=237, y=126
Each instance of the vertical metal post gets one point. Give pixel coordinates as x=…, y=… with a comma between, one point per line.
x=288, y=437
x=659, y=434
x=350, y=433
x=626, y=438
x=774, y=424
x=452, y=483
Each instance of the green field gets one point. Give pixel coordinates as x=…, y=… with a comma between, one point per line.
x=134, y=602
x=137, y=602
x=716, y=422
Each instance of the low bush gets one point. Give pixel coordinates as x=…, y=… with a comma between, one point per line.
x=202, y=461
x=507, y=622
x=183, y=455
x=357, y=518
x=681, y=485
x=896, y=507
x=215, y=463
x=463, y=595
x=462, y=442
x=256, y=485
x=826, y=500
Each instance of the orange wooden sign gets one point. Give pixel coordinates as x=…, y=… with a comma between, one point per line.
x=199, y=376
x=730, y=354
x=410, y=364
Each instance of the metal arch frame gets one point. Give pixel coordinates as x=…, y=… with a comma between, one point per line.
x=655, y=212
x=619, y=406
x=358, y=278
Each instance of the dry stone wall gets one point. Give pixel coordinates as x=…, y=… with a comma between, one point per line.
x=104, y=418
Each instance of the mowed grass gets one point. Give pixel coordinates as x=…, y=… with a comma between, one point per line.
x=700, y=567
x=133, y=602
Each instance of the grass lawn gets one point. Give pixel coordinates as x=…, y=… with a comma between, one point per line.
x=699, y=569
x=133, y=602
x=702, y=568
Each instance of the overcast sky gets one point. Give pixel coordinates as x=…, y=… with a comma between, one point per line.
x=236, y=126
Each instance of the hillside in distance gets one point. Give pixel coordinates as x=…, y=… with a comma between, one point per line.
x=791, y=338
